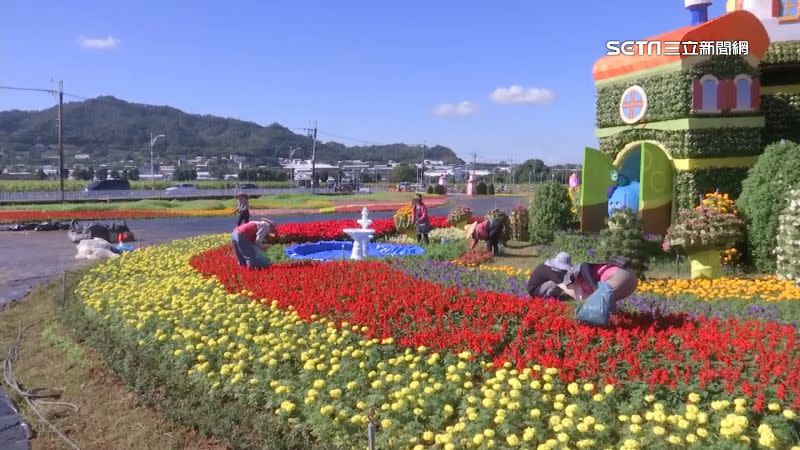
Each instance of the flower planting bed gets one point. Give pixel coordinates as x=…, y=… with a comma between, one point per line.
x=318, y=348
x=330, y=230
x=765, y=288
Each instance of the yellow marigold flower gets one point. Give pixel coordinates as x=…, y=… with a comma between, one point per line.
x=428, y=436
x=573, y=388
x=512, y=440
x=528, y=434
x=659, y=430
x=694, y=398
x=635, y=428
x=789, y=414
x=774, y=407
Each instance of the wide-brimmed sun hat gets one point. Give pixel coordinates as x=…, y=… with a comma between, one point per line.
x=562, y=261
x=469, y=230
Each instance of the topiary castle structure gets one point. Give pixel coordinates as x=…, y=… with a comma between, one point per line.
x=693, y=117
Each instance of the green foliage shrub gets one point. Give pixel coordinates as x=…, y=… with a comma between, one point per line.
x=623, y=237
x=490, y=191
x=430, y=190
x=481, y=188
x=787, y=251
x=764, y=196
x=581, y=246
x=445, y=251
x=439, y=189
x=550, y=212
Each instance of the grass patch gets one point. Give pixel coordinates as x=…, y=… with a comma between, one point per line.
x=278, y=201
x=110, y=417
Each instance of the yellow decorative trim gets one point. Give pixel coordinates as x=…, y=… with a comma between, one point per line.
x=714, y=163
x=690, y=163
x=632, y=145
x=691, y=123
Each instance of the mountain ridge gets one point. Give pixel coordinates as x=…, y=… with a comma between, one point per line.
x=108, y=128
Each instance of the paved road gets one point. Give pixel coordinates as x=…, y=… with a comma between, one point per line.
x=30, y=258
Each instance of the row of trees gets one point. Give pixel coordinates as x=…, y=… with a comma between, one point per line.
x=102, y=173
x=263, y=174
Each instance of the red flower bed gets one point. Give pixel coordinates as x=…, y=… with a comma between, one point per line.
x=332, y=229
x=749, y=358
x=475, y=257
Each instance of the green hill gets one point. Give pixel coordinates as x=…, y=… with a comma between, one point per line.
x=113, y=130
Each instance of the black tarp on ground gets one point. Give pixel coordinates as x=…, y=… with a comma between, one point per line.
x=14, y=433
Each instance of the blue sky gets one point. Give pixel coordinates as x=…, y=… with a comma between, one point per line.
x=371, y=71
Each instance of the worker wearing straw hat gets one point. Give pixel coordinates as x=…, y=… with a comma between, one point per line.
x=488, y=230
x=250, y=241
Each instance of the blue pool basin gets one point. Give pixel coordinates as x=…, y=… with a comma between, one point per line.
x=335, y=250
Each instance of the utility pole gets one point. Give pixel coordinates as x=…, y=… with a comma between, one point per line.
x=422, y=169
x=291, y=165
x=152, y=172
x=313, y=155
x=61, y=138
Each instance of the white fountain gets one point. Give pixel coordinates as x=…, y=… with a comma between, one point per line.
x=361, y=236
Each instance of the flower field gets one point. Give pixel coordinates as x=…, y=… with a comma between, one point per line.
x=765, y=288
x=333, y=229
x=326, y=346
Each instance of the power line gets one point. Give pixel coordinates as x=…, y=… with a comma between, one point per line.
x=363, y=141
x=49, y=91
x=14, y=88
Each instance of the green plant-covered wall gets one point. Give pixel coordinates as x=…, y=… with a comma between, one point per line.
x=669, y=95
x=690, y=185
x=705, y=143
x=782, y=113
x=782, y=53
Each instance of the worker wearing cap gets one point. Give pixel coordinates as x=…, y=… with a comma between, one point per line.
x=249, y=242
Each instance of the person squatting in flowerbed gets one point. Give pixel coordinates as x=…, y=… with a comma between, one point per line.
x=420, y=218
x=242, y=208
x=614, y=276
x=545, y=278
x=489, y=230
x=249, y=242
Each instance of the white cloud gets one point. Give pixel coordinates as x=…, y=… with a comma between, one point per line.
x=518, y=94
x=461, y=109
x=99, y=43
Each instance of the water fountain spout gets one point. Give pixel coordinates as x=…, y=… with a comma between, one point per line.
x=361, y=236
